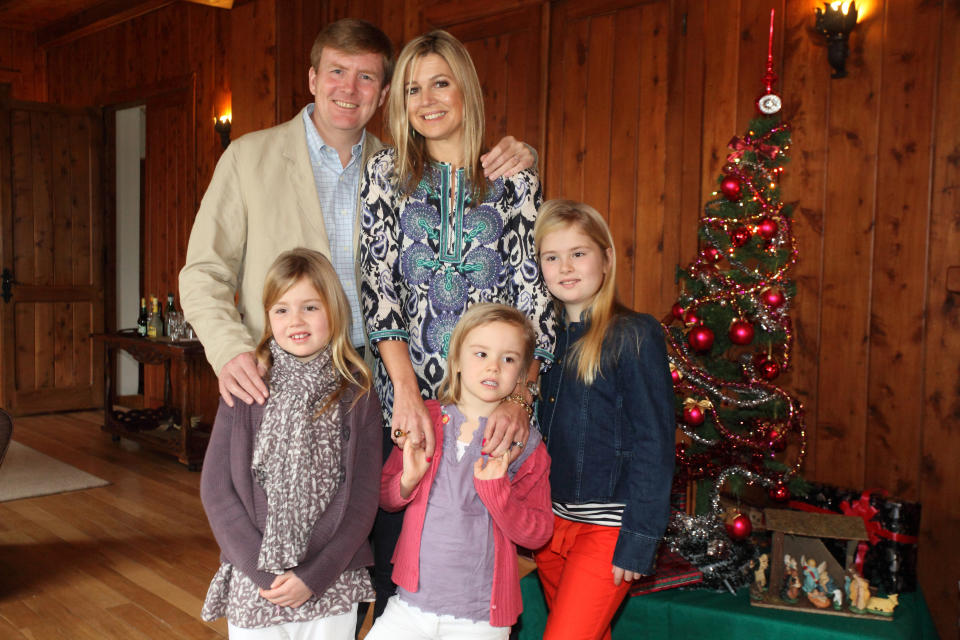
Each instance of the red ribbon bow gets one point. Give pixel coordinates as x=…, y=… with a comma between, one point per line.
x=863, y=509
x=739, y=145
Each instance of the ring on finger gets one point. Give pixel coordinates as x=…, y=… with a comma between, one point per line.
x=398, y=433
x=517, y=443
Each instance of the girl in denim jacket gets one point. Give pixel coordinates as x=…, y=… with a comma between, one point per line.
x=607, y=418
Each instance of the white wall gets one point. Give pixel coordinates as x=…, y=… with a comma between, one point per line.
x=131, y=136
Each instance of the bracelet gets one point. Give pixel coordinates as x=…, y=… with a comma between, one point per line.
x=518, y=399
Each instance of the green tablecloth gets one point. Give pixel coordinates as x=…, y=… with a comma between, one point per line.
x=679, y=614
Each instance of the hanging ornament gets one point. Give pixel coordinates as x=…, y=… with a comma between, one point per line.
x=700, y=339
x=739, y=236
x=731, y=188
x=711, y=254
x=677, y=310
x=776, y=441
x=675, y=374
x=690, y=317
x=694, y=412
x=739, y=527
x=767, y=228
x=741, y=332
x=769, y=369
x=772, y=297
x=780, y=493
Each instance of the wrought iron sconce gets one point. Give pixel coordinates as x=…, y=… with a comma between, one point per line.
x=836, y=25
x=222, y=126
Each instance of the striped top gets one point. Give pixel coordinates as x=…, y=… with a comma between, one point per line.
x=600, y=513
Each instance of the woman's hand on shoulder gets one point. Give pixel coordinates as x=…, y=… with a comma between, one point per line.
x=508, y=158
x=287, y=590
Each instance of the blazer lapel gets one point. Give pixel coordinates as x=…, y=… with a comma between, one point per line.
x=300, y=173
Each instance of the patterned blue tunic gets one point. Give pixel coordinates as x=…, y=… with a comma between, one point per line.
x=424, y=262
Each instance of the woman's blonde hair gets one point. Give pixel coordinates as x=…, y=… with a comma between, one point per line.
x=556, y=215
x=288, y=269
x=478, y=315
x=411, y=147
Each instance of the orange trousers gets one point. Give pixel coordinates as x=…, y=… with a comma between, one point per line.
x=575, y=569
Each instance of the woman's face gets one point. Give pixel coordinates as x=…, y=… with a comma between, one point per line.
x=435, y=101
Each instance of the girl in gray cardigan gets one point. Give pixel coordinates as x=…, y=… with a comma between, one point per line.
x=287, y=486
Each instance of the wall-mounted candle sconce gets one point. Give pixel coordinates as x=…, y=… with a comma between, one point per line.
x=222, y=126
x=835, y=24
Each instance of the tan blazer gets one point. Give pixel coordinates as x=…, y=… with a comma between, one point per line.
x=262, y=201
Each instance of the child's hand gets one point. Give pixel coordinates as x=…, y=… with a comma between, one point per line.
x=495, y=467
x=287, y=590
x=619, y=575
x=415, y=465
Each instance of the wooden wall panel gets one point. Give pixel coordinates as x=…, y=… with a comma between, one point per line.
x=253, y=67
x=895, y=382
x=938, y=469
x=22, y=64
x=607, y=124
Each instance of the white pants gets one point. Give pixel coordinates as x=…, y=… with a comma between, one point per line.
x=400, y=621
x=341, y=627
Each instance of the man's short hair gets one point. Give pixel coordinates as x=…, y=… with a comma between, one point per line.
x=354, y=36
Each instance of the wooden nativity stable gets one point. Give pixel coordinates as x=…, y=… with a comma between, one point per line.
x=801, y=573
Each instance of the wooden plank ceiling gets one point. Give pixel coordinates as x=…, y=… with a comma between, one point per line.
x=59, y=21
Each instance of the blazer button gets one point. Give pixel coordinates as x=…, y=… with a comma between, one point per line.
x=552, y=399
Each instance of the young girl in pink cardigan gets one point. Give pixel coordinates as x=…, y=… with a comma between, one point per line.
x=455, y=562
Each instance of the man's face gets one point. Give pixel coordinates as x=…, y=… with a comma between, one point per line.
x=347, y=89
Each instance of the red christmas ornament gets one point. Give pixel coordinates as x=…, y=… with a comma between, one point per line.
x=767, y=228
x=739, y=236
x=731, y=188
x=712, y=254
x=772, y=297
x=741, y=332
x=776, y=442
x=700, y=339
x=690, y=317
x=739, y=527
x=675, y=375
x=780, y=493
x=693, y=415
x=769, y=369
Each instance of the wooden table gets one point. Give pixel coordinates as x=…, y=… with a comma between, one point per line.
x=169, y=428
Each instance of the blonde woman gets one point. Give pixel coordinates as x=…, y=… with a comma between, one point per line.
x=437, y=237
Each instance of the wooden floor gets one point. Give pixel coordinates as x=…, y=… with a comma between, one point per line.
x=130, y=560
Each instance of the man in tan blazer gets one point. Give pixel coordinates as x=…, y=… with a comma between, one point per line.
x=267, y=193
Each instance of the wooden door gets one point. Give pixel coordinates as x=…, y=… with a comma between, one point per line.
x=52, y=252
x=612, y=115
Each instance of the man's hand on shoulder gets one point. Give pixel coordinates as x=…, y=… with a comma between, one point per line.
x=508, y=158
x=243, y=377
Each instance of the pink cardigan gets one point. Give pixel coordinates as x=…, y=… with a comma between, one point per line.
x=520, y=509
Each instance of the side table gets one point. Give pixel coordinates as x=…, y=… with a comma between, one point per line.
x=169, y=428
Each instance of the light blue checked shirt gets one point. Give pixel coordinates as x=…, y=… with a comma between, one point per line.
x=337, y=188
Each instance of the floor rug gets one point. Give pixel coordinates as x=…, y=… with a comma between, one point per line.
x=27, y=473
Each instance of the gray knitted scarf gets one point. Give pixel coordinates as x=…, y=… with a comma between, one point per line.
x=297, y=454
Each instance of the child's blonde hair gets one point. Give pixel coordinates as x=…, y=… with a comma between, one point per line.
x=556, y=215
x=411, y=147
x=285, y=272
x=476, y=316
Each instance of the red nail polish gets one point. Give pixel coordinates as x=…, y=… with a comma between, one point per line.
x=483, y=442
x=429, y=458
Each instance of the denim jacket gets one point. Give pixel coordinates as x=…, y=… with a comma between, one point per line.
x=614, y=440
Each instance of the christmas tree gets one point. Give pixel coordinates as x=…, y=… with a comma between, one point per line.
x=729, y=340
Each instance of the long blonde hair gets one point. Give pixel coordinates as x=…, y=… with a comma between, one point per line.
x=412, y=157
x=478, y=315
x=556, y=215
x=285, y=272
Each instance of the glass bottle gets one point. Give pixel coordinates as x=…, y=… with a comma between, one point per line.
x=142, y=318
